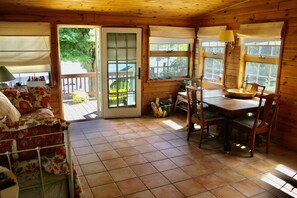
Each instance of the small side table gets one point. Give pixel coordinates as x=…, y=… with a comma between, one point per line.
x=12, y=191
x=181, y=99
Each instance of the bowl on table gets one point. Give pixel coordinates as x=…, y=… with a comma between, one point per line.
x=241, y=93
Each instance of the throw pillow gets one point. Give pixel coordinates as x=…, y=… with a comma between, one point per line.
x=7, y=109
x=20, y=99
x=42, y=96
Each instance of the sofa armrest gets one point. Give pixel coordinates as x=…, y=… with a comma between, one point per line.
x=24, y=124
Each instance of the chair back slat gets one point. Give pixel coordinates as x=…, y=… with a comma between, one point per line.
x=200, y=102
x=195, y=100
x=192, y=99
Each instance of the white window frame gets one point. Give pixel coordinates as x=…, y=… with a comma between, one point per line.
x=213, y=55
x=211, y=34
x=174, y=54
x=272, y=31
x=172, y=35
x=274, y=60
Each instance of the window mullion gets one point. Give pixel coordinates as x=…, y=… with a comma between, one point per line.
x=258, y=69
x=269, y=77
x=269, y=60
x=213, y=55
x=164, y=53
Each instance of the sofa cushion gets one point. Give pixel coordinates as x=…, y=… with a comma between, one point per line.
x=21, y=99
x=42, y=96
x=7, y=109
x=24, y=124
x=37, y=114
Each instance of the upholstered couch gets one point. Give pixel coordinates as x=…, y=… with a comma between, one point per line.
x=25, y=118
x=28, y=132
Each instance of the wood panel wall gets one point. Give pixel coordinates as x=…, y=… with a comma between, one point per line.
x=258, y=12
x=150, y=89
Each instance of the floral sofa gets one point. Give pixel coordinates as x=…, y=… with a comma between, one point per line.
x=24, y=103
x=27, y=122
x=26, y=114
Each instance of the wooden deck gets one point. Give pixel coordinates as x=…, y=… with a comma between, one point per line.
x=80, y=111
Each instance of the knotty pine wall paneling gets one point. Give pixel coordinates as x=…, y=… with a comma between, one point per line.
x=150, y=89
x=259, y=12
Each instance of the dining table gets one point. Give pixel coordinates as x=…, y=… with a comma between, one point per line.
x=230, y=108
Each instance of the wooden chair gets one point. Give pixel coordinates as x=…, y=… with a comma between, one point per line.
x=197, y=114
x=256, y=125
x=256, y=87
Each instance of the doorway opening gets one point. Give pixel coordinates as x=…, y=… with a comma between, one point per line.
x=80, y=73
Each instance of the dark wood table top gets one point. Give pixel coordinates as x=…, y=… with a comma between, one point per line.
x=232, y=107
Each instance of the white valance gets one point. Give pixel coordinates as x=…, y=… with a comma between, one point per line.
x=29, y=69
x=24, y=28
x=272, y=30
x=25, y=44
x=167, y=34
x=210, y=32
x=24, y=58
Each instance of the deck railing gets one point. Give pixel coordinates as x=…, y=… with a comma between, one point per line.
x=84, y=82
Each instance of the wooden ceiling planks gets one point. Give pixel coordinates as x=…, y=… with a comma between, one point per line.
x=182, y=9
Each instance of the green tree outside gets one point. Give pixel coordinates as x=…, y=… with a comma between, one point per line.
x=78, y=45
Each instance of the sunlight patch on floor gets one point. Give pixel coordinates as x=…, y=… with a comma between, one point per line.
x=286, y=170
x=172, y=124
x=280, y=183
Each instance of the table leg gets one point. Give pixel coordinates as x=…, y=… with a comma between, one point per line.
x=227, y=135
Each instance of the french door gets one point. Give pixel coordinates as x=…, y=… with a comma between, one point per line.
x=121, y=68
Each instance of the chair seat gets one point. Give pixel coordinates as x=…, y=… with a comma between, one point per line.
x=246, y=121
x=208, y=116
x=205, y=106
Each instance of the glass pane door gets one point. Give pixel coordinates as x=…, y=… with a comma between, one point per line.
x=121, y=63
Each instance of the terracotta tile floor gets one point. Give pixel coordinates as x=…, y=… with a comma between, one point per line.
x=149, y=157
